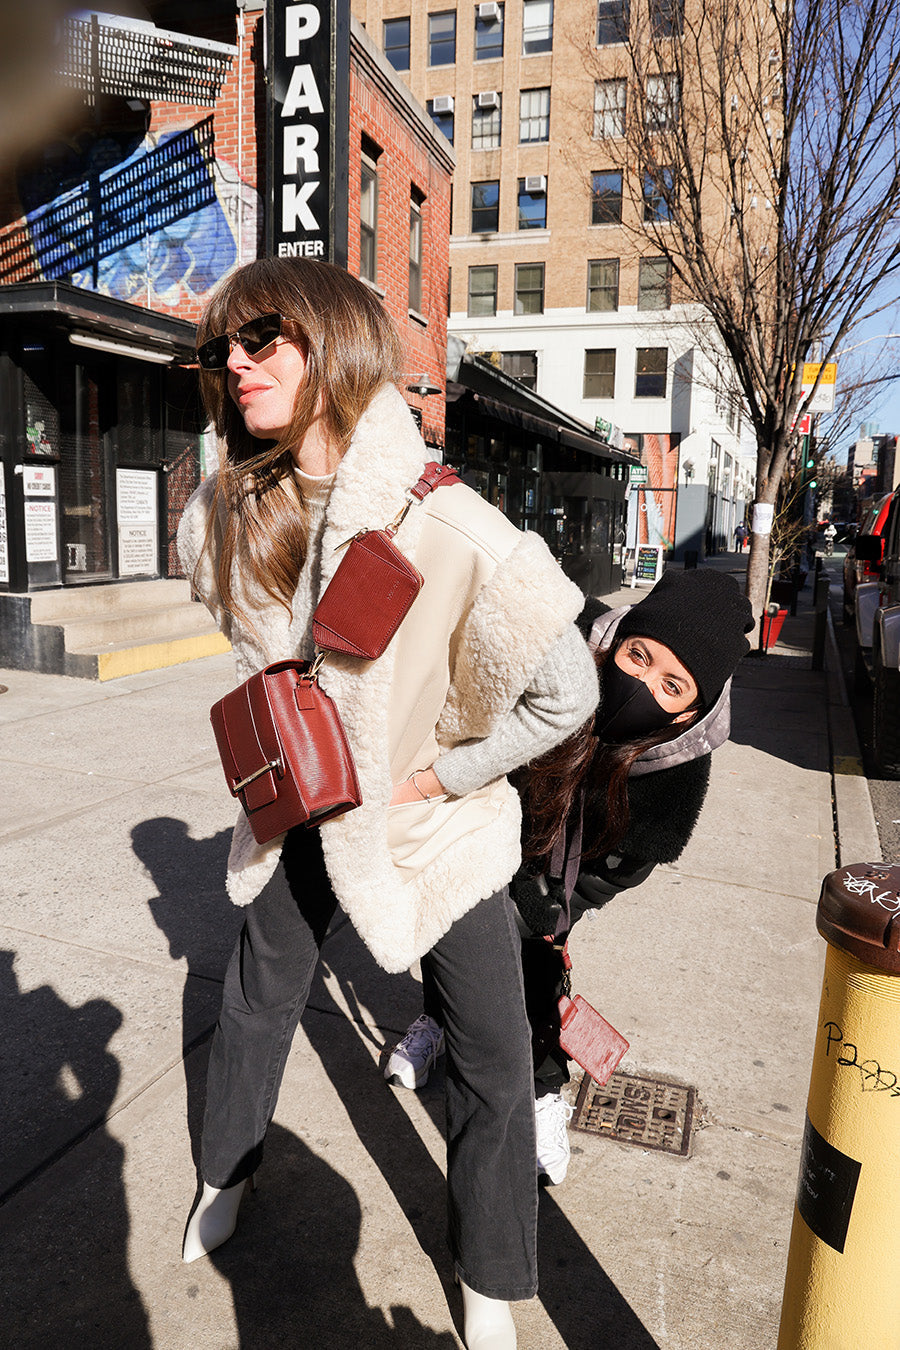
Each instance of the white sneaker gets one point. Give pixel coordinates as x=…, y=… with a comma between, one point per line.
x=552, y=1116
x=413, y=1057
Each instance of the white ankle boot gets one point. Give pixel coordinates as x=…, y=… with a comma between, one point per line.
x=213, y=1221
x=487, y=1322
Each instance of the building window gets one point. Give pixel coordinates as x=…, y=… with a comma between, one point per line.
x=658, y=195
x=442, y=38
x=482, y=292
x=529, y=288
x=667, y=18
x=368, y=212
x=650, y=372
x=486, y=121
x=534, y=115
x=486, y=206
x=522, y=366
x=442, y=116
x=606, y=197
x=416, y=201
x=653, y=283
x=488, y=32
x=603, y=285
x=662, y=102
x=396, y=42
x=612, y=21
x=533, y=203
x=609, y=108
x=537, y=27
x=600, y=373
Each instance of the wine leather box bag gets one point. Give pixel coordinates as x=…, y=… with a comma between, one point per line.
x=280, y=738
x=284, y=751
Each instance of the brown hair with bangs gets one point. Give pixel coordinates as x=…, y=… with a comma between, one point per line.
x=351, y=349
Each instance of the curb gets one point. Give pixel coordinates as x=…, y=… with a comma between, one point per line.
x=855, y=831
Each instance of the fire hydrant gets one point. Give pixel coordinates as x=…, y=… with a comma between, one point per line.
x=842, y=1289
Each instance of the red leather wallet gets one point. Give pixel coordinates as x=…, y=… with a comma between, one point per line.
x=367, y=599
x=589, y=1039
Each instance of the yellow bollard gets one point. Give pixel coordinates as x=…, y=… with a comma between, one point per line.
x=842, y=1290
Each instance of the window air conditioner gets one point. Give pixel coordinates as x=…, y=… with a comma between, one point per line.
x=489, y=100
x=443, y=103
x=536, y=183
x=486, y=13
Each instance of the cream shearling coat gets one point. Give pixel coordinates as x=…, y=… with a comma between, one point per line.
x=493, y=604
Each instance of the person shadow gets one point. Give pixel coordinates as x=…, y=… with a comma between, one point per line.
x=290, y=1265
x=58, y=1081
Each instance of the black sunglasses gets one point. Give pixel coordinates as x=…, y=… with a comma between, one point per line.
x=252, y=336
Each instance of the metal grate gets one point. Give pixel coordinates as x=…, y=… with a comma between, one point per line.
x=632, y=1109
x=133, y=59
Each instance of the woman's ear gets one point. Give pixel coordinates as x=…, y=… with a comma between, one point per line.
x=690, y=715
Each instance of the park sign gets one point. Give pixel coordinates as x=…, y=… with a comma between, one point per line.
x=308, y=115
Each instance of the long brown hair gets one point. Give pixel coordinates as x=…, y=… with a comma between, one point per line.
x=550, y=786
x=351, y=349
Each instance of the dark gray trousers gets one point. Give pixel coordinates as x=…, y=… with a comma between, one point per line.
x=476, y=969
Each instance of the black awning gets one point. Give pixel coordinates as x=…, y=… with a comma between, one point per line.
x=61, y=305
x=516, y=417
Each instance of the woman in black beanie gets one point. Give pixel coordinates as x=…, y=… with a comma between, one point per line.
x=606, y=806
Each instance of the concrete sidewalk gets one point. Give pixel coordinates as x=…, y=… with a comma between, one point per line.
x=115, y=931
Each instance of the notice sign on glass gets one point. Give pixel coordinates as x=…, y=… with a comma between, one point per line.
x=137, y=517
x=40, y=531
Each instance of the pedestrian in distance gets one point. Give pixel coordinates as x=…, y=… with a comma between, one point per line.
x=830, y=534
x=605, y=807
x=298, y=362
x=741, y=535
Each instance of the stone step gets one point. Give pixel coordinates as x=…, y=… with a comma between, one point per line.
x=123, y=627
x=76, y=602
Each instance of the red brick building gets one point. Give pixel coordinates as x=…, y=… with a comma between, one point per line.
x=111, y=242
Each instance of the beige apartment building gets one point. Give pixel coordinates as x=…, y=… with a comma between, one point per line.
x=547, y=278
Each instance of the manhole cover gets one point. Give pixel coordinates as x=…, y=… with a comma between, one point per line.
x=648, y=1112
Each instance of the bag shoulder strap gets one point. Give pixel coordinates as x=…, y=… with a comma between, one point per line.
x=434, y=476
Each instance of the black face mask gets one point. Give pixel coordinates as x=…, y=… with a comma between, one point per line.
x=629, y=711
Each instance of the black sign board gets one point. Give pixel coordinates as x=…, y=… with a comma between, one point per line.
x=646, y=563
x=827, y=1188
x=308, y=103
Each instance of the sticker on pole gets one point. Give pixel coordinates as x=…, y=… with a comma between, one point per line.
x=763, y=515
x=826, y=1188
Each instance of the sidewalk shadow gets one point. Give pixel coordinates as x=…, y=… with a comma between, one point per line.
x=58, y=1081
x=291, y=1267
x=579, y=1297
x=201, y=924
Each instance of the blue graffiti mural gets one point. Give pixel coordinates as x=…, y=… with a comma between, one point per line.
x=157, y=222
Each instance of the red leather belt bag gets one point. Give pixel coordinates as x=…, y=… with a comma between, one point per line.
x=280, y=737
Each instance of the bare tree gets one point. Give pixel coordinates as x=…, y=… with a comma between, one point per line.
x=761, y=154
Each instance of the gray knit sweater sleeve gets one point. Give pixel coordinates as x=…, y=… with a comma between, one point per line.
x=561, y=695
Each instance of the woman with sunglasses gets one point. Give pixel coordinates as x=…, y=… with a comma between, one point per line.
x=605, y=807
x=298, y=362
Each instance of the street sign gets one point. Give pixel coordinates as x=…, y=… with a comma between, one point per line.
x=823, y=399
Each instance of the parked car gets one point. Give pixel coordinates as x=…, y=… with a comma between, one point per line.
x=877, y=605
x=855, y=570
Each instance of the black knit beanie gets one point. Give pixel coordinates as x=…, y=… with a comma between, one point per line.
x=702, y=616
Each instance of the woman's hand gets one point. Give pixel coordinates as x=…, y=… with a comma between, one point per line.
x=427, y=784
